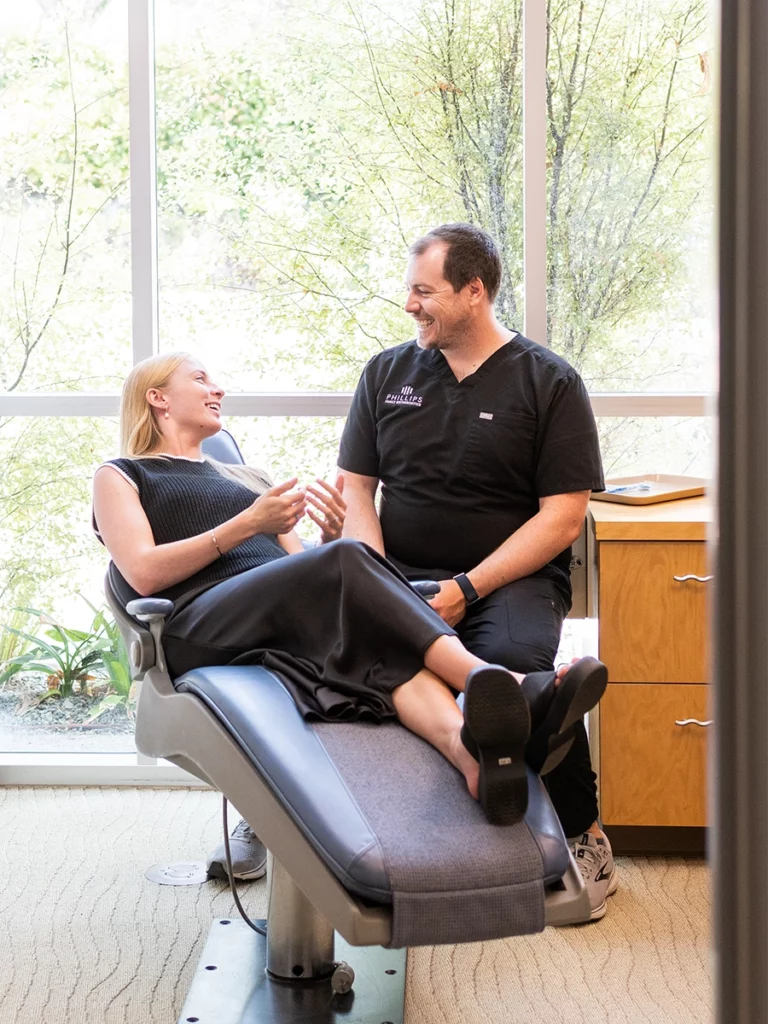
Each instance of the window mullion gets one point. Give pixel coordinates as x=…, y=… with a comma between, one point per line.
x=337, y=404
x=141, y=74
x=535, y=170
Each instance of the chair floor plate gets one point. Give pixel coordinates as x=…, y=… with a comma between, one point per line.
x=230, y=985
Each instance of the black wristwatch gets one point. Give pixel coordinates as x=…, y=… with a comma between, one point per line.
x=469, y=592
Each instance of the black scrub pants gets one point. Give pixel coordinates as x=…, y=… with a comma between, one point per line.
x=519, y=626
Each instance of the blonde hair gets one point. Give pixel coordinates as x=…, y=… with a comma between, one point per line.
x=139, y=432
x=140, y=435
x=255, y=480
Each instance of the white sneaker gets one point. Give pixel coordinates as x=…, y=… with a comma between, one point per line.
x=594, y=859
x=249, y=858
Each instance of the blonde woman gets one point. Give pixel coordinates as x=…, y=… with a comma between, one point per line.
x=348, y=635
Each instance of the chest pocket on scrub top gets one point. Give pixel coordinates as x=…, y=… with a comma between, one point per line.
x=500, y=450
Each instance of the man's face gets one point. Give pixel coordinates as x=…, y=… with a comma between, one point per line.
x=441, y=315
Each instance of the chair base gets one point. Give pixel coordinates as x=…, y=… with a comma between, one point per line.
x=231, y=985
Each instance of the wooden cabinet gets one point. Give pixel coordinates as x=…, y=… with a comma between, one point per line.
x=652, y=611
x=652, y=621
x=653, y=772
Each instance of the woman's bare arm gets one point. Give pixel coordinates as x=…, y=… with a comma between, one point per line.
x=149, y=567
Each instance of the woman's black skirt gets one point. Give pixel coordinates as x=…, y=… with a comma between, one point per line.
x=339, y=623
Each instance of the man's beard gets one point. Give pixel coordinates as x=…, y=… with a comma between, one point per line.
x=448, y=338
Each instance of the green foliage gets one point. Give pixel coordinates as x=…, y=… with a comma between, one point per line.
x=12, y=645
x=628, y=111
x=66, y=656
x=380, y=122
x=219, y=118
x=116, y=664
x=70, y=657
x=64, y=215
x=46, y=540
x=293, y=174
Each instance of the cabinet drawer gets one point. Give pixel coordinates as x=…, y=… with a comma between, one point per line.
x=652, y=627
x=653, y=772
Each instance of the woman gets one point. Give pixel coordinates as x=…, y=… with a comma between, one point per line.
x=349, y=636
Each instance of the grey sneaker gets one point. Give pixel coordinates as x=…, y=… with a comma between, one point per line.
x=594, y=859
x=249, y=855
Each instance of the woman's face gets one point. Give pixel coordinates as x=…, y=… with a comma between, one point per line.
x=191, y=400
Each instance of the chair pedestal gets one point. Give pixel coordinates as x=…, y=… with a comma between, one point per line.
x=292, y=976
x=299, y=939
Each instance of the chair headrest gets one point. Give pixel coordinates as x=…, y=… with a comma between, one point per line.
x=223, y=448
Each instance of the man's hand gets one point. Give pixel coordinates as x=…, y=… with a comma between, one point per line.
x=450, y=604
x=331, y=508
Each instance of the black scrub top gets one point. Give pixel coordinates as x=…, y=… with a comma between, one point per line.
x=464, y=463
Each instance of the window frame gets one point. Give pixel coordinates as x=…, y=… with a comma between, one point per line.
x=122, y=769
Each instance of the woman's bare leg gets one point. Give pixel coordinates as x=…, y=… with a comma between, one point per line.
x=426, y=704
x=451, y=662
x=428, y=707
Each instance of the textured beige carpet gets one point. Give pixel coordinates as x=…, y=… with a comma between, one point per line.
x=85, y=939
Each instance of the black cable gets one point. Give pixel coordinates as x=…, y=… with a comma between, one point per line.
x=231, y=875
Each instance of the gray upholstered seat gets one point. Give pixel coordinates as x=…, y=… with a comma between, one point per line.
x=290, y=754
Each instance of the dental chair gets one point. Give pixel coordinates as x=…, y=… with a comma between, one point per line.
x=374, y=843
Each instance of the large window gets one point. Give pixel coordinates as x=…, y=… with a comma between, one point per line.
x=299, y=148
x=630, y=202
x=65, y=317
x=65, y=326
x=52, y=597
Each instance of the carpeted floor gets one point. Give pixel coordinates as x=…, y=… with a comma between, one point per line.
x=85, y=939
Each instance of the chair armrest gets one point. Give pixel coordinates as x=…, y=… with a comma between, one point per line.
x=426, y=588
x=149, y=609
x=142, y=651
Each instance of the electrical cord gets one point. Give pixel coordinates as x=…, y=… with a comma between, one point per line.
x=230, y=873
x=343, y=976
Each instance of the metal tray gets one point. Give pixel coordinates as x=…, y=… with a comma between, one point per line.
x=650, y=488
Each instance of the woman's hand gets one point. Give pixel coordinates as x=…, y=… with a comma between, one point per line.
x=278, y=509
x=331, y=508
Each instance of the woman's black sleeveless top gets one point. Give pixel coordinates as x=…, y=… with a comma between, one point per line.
x=183, y=498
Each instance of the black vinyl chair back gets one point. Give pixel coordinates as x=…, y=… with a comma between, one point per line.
x=223, y=447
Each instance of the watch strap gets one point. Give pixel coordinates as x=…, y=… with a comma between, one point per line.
x=469, y=592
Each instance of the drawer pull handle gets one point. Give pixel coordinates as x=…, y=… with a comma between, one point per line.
x=692, y=576
x=693, y=721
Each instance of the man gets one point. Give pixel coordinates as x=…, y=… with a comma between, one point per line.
x=486, y=449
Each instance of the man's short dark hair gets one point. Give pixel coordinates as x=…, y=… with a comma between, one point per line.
x=470, y=252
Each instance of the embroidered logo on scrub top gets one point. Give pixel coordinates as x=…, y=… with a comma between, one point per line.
x=404, y=396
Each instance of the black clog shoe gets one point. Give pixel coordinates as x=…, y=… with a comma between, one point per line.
x=495, y=732
x=555, y=710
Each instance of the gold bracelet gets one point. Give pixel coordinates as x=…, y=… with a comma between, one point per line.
x=216, y=543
